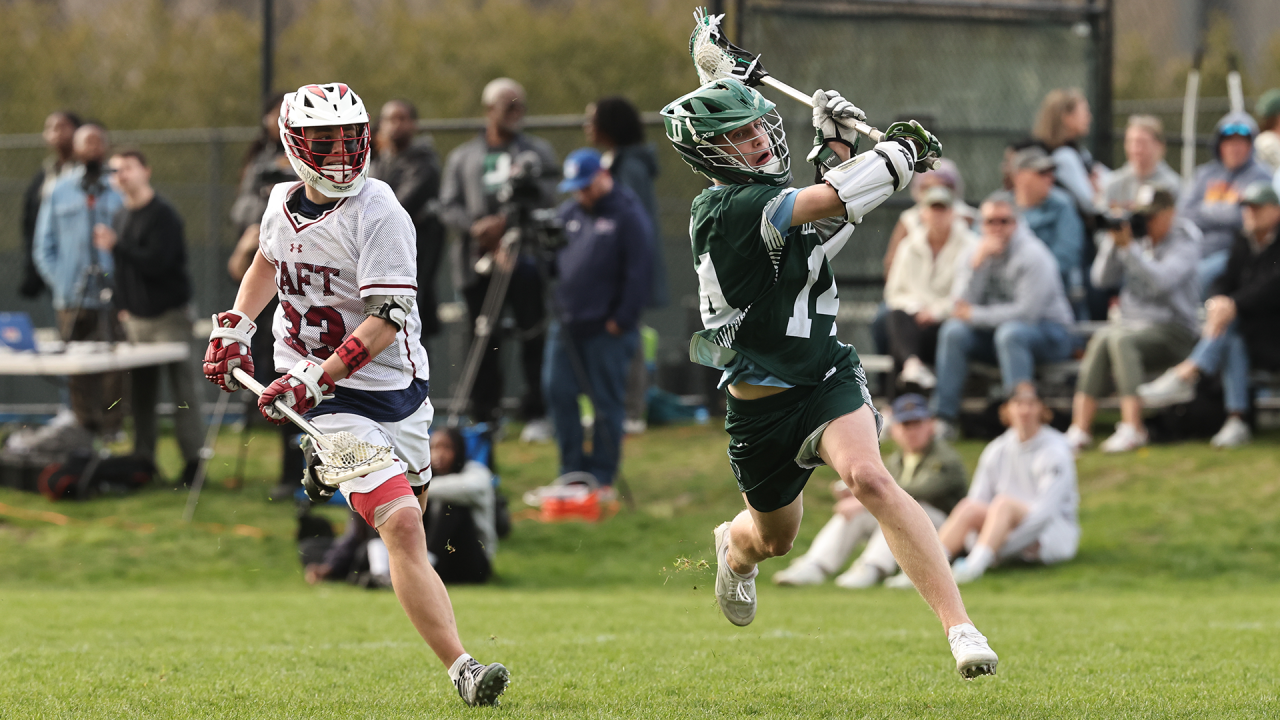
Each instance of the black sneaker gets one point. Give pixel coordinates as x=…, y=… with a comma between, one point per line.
x=481, y=684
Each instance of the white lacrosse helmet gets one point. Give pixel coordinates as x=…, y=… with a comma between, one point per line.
x=335, y=166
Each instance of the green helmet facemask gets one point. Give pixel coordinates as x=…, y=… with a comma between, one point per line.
x=694, y=123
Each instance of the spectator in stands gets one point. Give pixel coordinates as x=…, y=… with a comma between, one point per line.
x=1023, y=502
x=603, y=273
x=614, y=127
x=412, y=168
x=460, y=518
x=1267, y=145
x=152, y=293
x=474, y=174
x=265, y=165
x=1152, y=259
x=1009, y=309
x=77, y=272
x=1213, y=201
x=1062, y=124
x=918, y=289
x=59, y=128
x=1051, y=214
x=925, y=466
x=1144, y=149
x=1242, y=317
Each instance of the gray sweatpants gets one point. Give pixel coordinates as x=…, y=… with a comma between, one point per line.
x=1118, y=356
x=837, y=539
x=171, y=326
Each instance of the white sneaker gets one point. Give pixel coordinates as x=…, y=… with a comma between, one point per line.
x=1078, y=439
x=860, y=577
x=737, y=597
x=963, y=572
x=973, y=655
x=944, y=430
x=481, y=684
x=801, y=572
x=537, y=431
x=634, y=427
x=915, y=372
x=900, y=582
x=1234, y=433
x=1125, y=439
x=1166, y=390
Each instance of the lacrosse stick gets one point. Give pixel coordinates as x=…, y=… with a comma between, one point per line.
x=343, y=456
x=715, y=58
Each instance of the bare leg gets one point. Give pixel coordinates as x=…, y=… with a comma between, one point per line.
x=849, y=445
x=1131, y=412
x=418, y=587
x=1083, y=409
x=1002, y=518
x=755, y=536
x=968, y=516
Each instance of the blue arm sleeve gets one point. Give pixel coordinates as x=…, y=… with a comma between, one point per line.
x=780, y=217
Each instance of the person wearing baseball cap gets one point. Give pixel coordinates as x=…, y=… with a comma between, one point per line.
x=927, y=468
x=1241, y=317
x=1152, y=259
x=1051, y=214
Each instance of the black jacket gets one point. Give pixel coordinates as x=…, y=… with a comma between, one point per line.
x=150, y=260
x=1253, y=282
x=32, y=284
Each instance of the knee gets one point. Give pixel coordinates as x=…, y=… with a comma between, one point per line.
x=969, y=512
x=1009, y=335
x=953, y=332
x=870, y=482
x=403, y=530
x=777, y=546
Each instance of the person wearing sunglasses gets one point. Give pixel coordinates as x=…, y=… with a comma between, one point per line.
x=1213, y=202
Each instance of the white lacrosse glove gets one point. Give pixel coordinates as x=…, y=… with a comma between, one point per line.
x=828, y=105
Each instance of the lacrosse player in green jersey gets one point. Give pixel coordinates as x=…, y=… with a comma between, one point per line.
x=797, y=397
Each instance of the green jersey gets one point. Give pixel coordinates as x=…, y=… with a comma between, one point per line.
x=766, y=288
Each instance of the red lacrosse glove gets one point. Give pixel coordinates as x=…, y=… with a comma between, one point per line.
x=229, y=348
x=302, y=389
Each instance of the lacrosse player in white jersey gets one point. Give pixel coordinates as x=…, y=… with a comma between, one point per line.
x=340, y=253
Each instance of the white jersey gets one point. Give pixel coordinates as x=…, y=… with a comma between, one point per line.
x=365, y=245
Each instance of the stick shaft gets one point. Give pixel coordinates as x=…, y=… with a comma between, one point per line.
x=256, y=388
x=859, y=127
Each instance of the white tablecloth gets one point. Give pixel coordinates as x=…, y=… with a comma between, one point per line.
x=83, y=358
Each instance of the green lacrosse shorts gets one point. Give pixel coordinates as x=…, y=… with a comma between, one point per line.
x=773, y=441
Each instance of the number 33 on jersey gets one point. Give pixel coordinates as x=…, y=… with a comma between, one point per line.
x=765, y=288
x=324, y=267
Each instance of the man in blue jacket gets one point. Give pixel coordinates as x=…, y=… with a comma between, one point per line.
x=604, y=279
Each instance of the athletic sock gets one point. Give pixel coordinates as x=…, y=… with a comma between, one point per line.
x=980, y=558
x=456, y=669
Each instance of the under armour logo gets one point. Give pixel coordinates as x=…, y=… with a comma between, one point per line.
x=295, y=247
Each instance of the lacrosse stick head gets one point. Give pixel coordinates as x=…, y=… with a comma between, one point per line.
x=344, y=457
x=715, y=58
x=705, y=126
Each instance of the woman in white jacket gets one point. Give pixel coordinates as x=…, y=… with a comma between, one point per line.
x=918, y=289
x=1023, y=501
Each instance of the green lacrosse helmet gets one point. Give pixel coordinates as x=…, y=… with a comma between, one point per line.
x=693, y=121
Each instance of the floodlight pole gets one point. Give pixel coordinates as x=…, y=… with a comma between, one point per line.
x=268, y=47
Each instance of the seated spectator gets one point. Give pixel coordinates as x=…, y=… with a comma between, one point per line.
x=1144, y=150
x=1009, y=309
x=926, y=467
x=918, y=289
x=1062, y=123
x=1213, y=201
x=1152, y=259
x=1267, y=144
x=461, y=520
x=1023, y=502
x=1242, y=315
x=1051, y=214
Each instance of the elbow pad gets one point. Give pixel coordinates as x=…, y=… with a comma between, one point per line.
x=865, y=181
x=394, y=309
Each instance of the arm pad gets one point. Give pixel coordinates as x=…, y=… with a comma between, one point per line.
x=394, y=309
x=865, y=181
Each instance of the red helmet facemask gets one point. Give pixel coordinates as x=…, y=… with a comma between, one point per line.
x=340, y=158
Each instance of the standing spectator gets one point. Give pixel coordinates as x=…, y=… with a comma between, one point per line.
x=1144, y=149
x=926, y=467
x=1010, y=309
x=59, y=128
x=1023, y=502
x=1062, y=123
x=77, y=272
x=474, y=174
x=152, y=293
x=1242, y=314
x=603, y=272
x=613, y=126
x=918, y=289
x=1213, y=201
x=1051, y=214
x=412, y=168
x=1152, y=259
x=1268, y=143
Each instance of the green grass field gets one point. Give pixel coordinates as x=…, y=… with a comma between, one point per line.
x=115, y=608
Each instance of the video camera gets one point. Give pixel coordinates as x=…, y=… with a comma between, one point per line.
x=1117, y=220
x=522, y=198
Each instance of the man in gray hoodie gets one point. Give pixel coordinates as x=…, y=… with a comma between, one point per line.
x=1213, y=202
x=1010, y=308
x=1153, y=260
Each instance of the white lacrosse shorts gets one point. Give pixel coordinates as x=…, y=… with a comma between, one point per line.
x=409, y=439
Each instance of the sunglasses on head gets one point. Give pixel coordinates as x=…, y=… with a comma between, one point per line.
x=1237, y=129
